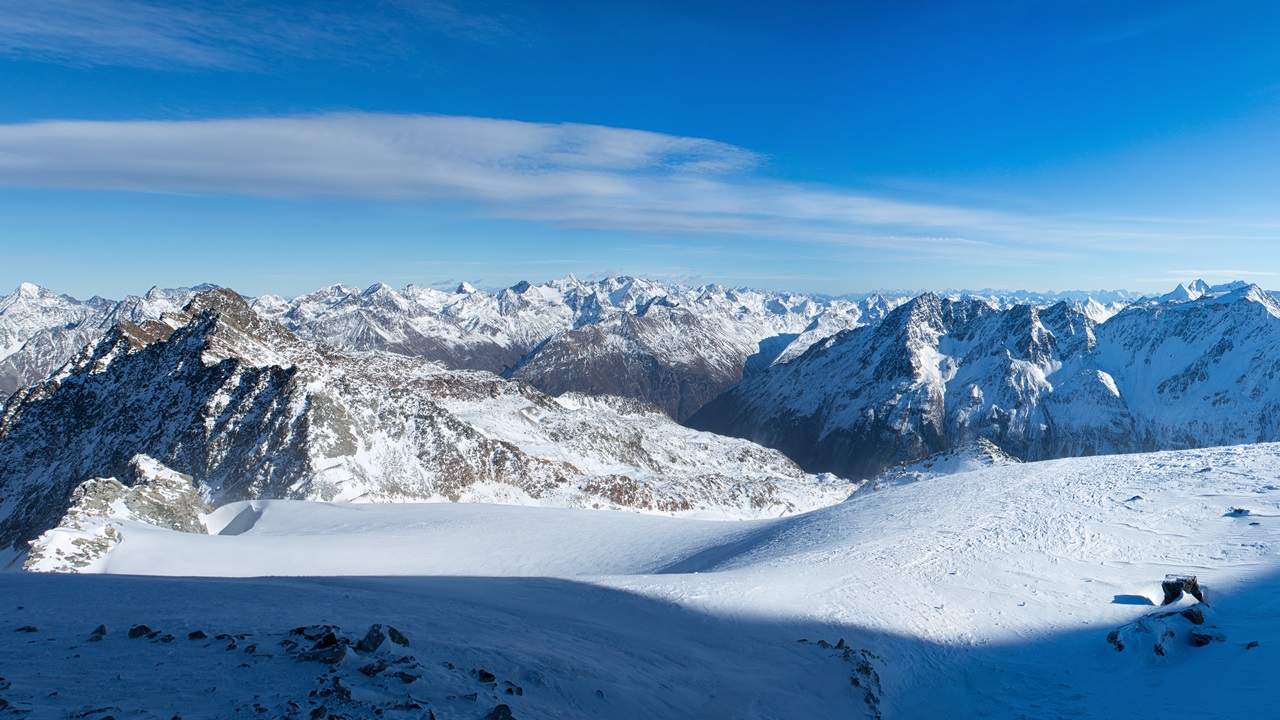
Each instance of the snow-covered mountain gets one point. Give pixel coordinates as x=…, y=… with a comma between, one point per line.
x=40, y=329
x=670, y=345
x=674, y=346
x=249, y=410
x=1040, y=383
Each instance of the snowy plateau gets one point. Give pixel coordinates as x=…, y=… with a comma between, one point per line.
x=411, y=503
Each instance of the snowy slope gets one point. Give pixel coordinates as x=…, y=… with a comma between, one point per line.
x=989, y=593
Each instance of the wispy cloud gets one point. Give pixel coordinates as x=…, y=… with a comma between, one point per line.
x=1235, y=274
x=568, y=175
x=227, y=35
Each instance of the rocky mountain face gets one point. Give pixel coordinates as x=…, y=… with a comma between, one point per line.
x=40, y=329
x=247, y=409
x=1164, y=373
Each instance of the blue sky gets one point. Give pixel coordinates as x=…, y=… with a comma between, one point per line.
x=829, y=147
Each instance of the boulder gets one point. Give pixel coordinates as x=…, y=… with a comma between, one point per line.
x=501, y=712
x=1175, y=585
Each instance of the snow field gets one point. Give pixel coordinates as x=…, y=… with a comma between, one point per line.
x=982, y=594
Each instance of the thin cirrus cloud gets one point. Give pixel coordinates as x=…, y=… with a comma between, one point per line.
x=224, y=35
x=567, y=175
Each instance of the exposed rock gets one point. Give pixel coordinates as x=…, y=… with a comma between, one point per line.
x=1158, y=631
x=1175, y=585
x=1203, y=638
x=501, y=712
x=397, y=637
x=93, y=524
x=138, y=631
x=372, y=639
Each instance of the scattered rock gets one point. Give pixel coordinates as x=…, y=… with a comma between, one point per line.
x=501, y=712
x=98, y=633
x=1237, y=511
x=1251, y=645
x=197, y=635
x=397, y=637
x=1135, y=497
x=138, y=631
x=1113, y=637
x=1194, y=614
x=1175, y=585
x=1203, y=638
x=28, y=628
x=329, y=655
x=374, y=668
x=486, y=676
x=372, y=639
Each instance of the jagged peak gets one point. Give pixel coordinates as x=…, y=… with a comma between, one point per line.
x=465, y=288
x=219, y=301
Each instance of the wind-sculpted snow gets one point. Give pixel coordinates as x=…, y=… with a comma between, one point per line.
x=1008, y=590
x=249, y=410
x=1040, y=383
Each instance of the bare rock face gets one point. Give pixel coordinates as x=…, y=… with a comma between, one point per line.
x=246, y=410
x=94, y=522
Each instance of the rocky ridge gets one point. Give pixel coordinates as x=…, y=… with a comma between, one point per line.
x=40, y=329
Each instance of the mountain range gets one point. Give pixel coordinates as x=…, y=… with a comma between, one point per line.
x=564, y=393
x=1194, y=368
x=247, y=409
